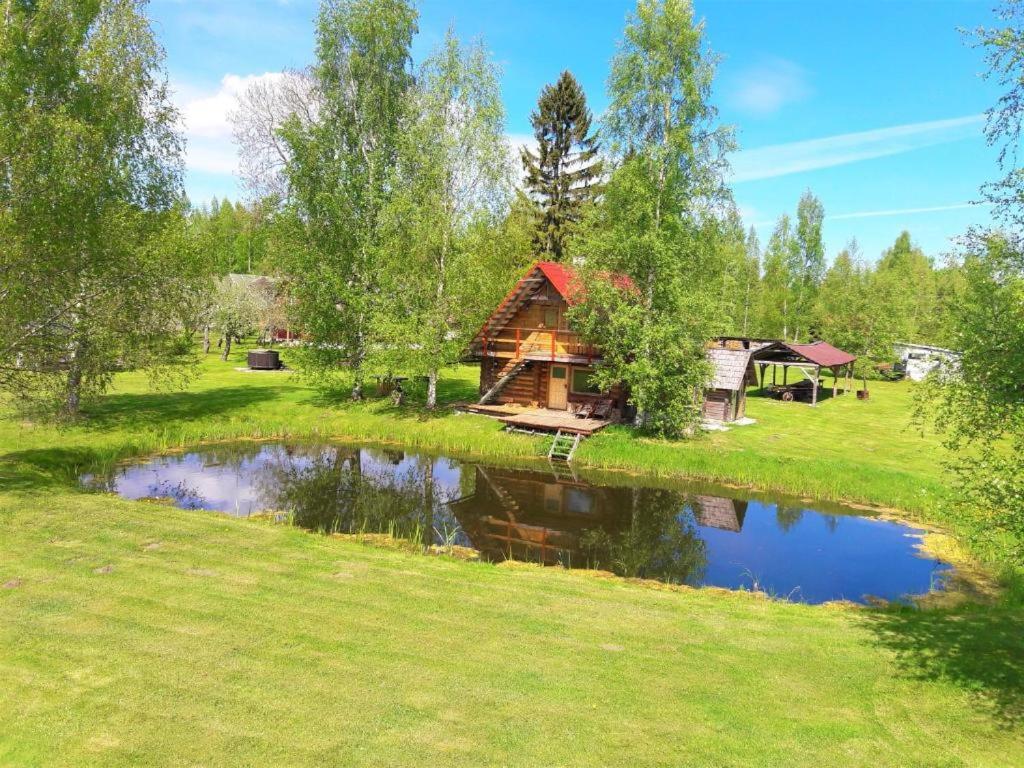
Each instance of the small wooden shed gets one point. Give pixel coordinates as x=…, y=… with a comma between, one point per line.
x=726, y=397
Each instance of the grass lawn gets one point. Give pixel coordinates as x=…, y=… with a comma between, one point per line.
x=138, y=634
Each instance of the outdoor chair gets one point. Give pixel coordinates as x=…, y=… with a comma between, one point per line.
x=603, y=409
x=585, y=410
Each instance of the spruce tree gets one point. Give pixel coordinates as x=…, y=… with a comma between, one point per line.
x=563, y=175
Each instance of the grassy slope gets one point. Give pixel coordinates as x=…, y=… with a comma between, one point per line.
x=145, y=635
x=238, y=643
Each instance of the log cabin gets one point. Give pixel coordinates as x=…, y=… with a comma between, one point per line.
x=529, y=354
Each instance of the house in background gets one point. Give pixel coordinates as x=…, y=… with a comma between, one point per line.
x=529, y=355
x=918, y=360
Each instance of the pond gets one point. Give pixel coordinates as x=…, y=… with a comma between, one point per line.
x=677, y=532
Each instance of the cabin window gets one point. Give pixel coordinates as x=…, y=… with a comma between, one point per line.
x=558, y=372
x=551, y=318
x=583, y=382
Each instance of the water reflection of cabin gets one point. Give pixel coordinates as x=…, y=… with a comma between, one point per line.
x=537, y=517
x=530, y=516
x=530, y=356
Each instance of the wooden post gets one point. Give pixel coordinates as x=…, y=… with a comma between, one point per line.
x=552, y=346
x=775, y=370
x=517, y=342
x=835, y=379
x=814, y=389
x=785, y=375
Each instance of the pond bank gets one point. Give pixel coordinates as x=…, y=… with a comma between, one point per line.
x=662, y=529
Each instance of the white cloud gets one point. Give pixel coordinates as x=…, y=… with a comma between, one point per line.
x=905, y=211
x=768, y=86
x=799, y=156
x=205, y=115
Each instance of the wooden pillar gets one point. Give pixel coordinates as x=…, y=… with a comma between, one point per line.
x=785, y=374
x=775, y=371
x=814, y=389
x=835, y=379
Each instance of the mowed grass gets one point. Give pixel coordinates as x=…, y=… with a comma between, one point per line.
x=845, y=449
x=139, y=634
x=135, y=634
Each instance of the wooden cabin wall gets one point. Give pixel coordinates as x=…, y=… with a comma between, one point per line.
x=717, y=404
x=528, y=386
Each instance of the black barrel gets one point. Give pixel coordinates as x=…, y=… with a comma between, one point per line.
x=264, y=359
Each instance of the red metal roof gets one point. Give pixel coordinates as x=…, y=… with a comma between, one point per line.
x=559, y=275
x=564, y=279
x=822, y=353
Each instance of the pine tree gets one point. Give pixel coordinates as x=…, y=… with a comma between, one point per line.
x=563, y=174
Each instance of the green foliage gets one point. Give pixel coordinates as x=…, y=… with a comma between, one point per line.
x=978, y=407
x=563, y=175
x=808, y=266
x=338, y=171
x=776, y=293
x=1004, y=55
x=451, y=180
x=656, y=223
x=234, y=237
x=90, y=166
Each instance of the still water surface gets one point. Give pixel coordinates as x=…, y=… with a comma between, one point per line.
x=675, y=532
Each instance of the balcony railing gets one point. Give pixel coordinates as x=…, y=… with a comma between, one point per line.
x=537, y=344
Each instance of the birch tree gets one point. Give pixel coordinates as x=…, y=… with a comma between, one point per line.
x=658, y=219
x=90, y=172
x=453, y=173
x=338, y=169
x=264, y=108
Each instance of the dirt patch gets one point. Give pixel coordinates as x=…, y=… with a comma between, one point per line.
x=202, y=572
x=104, y=569
x=12, y=583
x=152, y=545
x=613, y=647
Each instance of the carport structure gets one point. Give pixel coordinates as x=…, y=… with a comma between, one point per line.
x=809, y=360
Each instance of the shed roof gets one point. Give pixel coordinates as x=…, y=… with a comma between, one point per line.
x=822, y=353
x=730, y=367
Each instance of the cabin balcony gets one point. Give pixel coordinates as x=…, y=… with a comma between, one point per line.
x=541, y=344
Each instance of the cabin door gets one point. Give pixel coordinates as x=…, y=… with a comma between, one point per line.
x=558, y=387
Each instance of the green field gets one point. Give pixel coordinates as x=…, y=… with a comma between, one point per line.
x=138, y=634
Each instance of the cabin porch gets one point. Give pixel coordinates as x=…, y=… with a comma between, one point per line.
x=539, y=419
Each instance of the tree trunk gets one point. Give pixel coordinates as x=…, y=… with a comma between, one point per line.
x=73, y=398
x=206, y=340
x=227, y=347
x=356, y=362
x=432, y=389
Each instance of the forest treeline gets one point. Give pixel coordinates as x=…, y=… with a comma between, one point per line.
x=859, y=302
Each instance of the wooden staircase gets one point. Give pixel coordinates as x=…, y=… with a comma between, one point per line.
x=505, y=375
x=563, y=446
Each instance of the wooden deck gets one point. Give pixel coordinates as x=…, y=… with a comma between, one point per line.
x=547, y=420
x=539, y=419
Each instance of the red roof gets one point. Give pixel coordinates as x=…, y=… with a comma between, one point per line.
x=559, y=275
x=563, y=278
x=822, y=353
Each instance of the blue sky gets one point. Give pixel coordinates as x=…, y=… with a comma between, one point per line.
x=875, y=106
